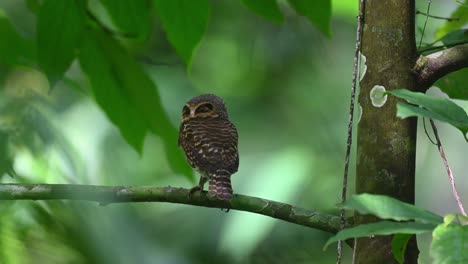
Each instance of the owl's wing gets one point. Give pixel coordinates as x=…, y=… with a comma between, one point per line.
x=220, y=149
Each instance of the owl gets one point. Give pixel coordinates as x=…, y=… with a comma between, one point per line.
x=209, y=141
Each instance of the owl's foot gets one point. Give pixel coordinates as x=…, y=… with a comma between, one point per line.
x=198, y=187
x=194, y=189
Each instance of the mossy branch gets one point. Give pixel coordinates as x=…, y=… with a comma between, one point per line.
x=130, y=194
x=432, y=67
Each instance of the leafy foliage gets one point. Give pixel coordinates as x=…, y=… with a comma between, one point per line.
x=133, y=18
x=449, y=244
x=455, y=84
x=380, y=228
x=461, y=16
x=450, y=239
x=59, y=28
x=318, y=12
x=70, y=29
x=389, y=208
x=6, y=159
x=455, y=37
x=128, y=95
x=266, y=8
x=109, y=92
x=399, y=243
x=431, y=107
x=185, y=22
x=17, y=50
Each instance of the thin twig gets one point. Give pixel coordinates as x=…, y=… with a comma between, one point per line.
x=447, y=167
x=425, y=23
x=449, y=19
x=360, y=20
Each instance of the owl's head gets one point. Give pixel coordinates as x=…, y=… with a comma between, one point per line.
x=204, y=106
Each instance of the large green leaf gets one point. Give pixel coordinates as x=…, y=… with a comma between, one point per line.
x=450, y=244
x=109, y=93
x=132, y=17
x=185, y=22
x=381, y=228
x=59, y=28
x=14, y=49
x=389, y=208
x=432, y=107
x=128, y=96
x=461, y=13
x=317, y=11
x=266, y=8
x=455, y=84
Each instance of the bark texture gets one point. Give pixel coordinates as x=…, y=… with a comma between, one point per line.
x=386, y=145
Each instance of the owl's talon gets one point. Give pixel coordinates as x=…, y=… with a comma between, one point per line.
x=194, y=189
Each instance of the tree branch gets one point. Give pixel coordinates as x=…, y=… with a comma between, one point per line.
x=432, y=67
x=126, y=194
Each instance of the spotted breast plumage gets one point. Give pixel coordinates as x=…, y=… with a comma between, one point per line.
x=209, y=141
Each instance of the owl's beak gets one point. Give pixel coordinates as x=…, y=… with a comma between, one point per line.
x=192, y=112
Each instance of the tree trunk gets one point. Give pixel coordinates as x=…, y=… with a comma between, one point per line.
x=386, y=149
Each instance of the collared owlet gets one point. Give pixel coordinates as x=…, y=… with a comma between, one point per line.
x=209, y=141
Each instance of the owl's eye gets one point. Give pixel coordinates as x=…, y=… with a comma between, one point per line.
x=185, y=111
x=204, y=108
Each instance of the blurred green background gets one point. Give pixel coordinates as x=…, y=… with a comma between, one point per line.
x=287, y=89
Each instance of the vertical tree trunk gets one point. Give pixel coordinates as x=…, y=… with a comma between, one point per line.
x=386, y=149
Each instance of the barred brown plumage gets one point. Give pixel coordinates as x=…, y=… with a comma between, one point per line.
x=209, y=141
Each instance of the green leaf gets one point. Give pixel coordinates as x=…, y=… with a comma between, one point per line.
x=59, y=28
x=399, y=243
x=185, y=22
x=433, y=107
x=389, y=208
x=128, y=96
x=448, y=219
x=6, y=157
x=380, y=228
x=317, y=11
x=455, y=37
x=33, y=6
x=266, y=8
x=455, y=84
x=461, y=13
x=450, y=244
x=131, y=17
x=17, y=50
x=110, y=93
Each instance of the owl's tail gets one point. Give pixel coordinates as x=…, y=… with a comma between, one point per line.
x=220, y=185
